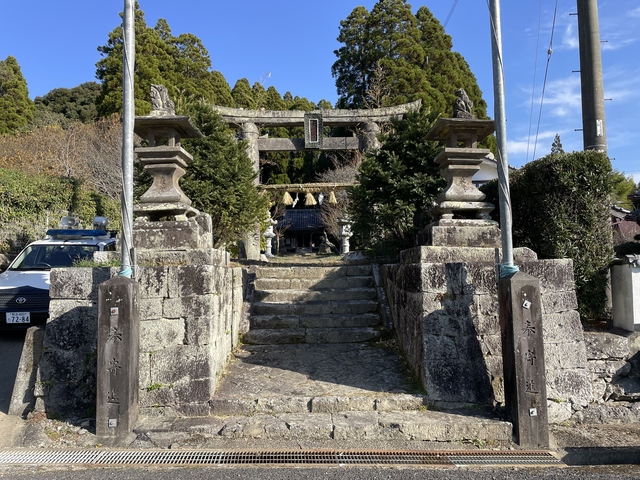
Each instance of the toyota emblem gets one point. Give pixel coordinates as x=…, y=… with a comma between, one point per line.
x=21, y=300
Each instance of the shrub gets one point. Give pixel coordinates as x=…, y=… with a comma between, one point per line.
x=560, y=206
x=32, y=203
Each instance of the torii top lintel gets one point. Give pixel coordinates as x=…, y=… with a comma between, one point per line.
x=295, y=118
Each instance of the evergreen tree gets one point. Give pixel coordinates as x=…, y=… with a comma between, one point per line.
x=220, y=178
x=75, y=104
x=556, y=146
x=180, y=63
x=16, y=108
x=221, y=90
x=397, y=185
x=243, y=95
x=407, y=56
x=259, y=95
x=621, y=187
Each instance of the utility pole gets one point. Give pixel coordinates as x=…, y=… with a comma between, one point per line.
x=128, y=118
x=501, y=134
x=594, y=132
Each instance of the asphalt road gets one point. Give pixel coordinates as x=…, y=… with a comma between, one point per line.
x=10, y=351
x=619, y=472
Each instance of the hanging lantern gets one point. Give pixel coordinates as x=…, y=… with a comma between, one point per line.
x=286, y=199
x=309, y=200
x=332, y=198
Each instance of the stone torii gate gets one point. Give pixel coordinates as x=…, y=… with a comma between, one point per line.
x=250, y=121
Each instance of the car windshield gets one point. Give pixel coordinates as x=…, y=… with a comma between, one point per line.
x=45, y=257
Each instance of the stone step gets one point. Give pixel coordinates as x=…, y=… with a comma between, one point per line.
x=271, y=336
x=315, y=308
x=329, y=428
x=332, y=295
x=380, y=402
x=313, y=283
x=315, y=321
x=313, y=272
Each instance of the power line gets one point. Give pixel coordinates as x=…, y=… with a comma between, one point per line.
x=533, y=87
x=453, y=7
x=546, y=72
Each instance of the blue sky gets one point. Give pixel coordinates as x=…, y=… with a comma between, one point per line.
x=290, y=43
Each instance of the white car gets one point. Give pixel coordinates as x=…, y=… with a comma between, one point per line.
x=24, y=285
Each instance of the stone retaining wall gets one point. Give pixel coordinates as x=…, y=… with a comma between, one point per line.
x=445, y=316
x=614, y=363
x=190, y=315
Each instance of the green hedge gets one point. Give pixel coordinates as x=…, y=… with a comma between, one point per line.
x=560, y=206
x=29, y=204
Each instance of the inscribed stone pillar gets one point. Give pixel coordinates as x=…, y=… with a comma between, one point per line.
x=118, y=359
x=523, y=359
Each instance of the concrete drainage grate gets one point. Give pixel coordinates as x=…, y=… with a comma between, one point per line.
x=301, y=457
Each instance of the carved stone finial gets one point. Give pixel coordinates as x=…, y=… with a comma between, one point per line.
x=462, y=106
x=161, y=104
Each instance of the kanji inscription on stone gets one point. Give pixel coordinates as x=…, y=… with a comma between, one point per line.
x=118, y=357
x=523, y=358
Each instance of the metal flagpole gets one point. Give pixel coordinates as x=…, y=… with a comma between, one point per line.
x=128, y=114
x=501, y=137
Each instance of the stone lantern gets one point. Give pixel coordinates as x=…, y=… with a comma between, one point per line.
x=165, y=219
x=345, y=233
x=164, y=159
x=460, y=216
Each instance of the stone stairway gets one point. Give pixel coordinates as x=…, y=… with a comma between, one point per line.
x=314, y=304
x=314, y=373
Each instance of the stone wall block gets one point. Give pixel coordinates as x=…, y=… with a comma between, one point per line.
x=620, y=412
x=572, y=386
x=150, y=309
x=457, y=305
x=160, y=334
x=77, y=283
x=456, y=277
x=556, y=302
x=185, y=362
x=604, y=345
x=486, y=324
x=494, y=365
x=192, y=280
x=455, y=371
x=196, y=306
x=409, y=279
x=562, y=327
x=154, y=282
x=599, y=389
x=485, y=305
x=565, y=356
x=609, y=369
x=480, y=279
x=65, y=399
x=195, y=391
x=198, y=331
x=554, y=275
x=63, y=366
x=558, y=411
x=491, y=345
x=443, y=323
x=72, y=325
x=432, y=276
x=157, y=394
